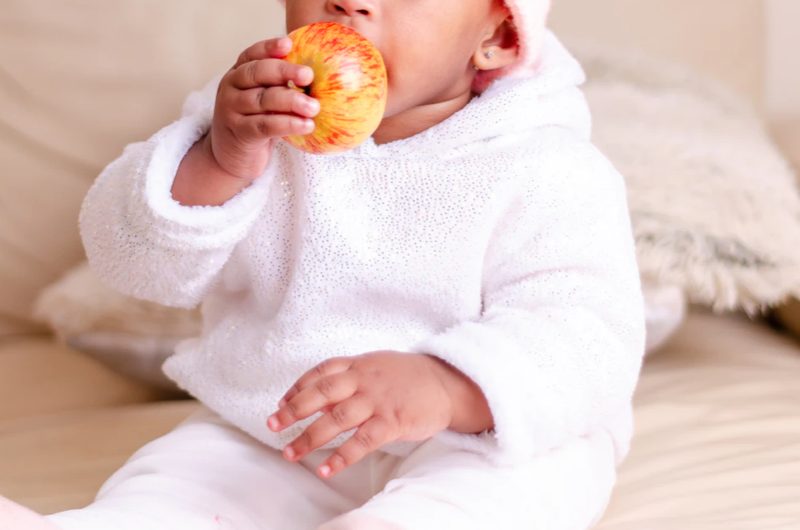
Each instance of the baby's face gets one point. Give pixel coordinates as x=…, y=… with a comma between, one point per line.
x=427, y=45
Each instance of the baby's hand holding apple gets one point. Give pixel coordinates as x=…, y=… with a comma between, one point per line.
x=255, y=106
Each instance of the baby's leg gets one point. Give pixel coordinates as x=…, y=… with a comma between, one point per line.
x=206, y=475
x=437, y=487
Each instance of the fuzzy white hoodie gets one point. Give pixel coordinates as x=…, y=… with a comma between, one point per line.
x=498, y=240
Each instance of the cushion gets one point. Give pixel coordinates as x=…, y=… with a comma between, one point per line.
x=714, y=203
x=39, y=376
x=80, y=80
x=132, y=337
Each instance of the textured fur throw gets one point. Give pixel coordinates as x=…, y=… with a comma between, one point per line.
x=715, y=206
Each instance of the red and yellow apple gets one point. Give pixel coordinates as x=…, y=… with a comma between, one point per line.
x=350, y=83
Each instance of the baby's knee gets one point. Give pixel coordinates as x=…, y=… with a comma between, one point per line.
x=358, y=521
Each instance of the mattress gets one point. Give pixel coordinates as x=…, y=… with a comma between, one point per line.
x=717, y=443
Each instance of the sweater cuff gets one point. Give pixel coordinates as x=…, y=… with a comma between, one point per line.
x=468, y=346
x=202, y=226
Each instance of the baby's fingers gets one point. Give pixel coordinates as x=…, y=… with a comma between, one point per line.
x=274, y=99
x=269, y=72
x=264, y=126
x=372, y=434
x=271, y=48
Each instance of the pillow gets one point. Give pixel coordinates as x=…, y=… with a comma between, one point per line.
x=714, y=205
x=138, y=356
x=134, y=337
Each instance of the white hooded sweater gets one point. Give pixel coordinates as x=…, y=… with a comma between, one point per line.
x=498, y=240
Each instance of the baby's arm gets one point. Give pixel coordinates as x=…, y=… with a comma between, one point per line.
x=253, y=108
x=161, y=221
x=558, y=347
x=143, y=243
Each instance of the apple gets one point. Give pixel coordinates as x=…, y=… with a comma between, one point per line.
x=350, y=83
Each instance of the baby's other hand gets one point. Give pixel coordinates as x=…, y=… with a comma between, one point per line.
x=255, y=105
x=388, y=395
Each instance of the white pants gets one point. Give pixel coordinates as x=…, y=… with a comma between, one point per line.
x=208, y=475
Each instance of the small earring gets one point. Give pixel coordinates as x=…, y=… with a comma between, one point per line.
x=488, y=54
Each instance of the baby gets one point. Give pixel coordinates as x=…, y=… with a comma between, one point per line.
x=439, y=329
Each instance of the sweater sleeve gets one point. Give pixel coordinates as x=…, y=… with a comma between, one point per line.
x=558, y=345
x=143, y=243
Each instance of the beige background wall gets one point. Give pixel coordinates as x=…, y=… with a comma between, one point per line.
x=732, y=50
x=752, y=44
x=783, y=59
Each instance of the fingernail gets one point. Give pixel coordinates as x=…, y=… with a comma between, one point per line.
x=308, y=125
x=312, y=105
x=290, y=453
x=273, y=422
x=325, y=470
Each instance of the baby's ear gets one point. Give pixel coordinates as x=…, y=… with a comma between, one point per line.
x=500, y=49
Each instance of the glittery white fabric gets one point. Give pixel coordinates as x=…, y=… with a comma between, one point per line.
x=498, y=240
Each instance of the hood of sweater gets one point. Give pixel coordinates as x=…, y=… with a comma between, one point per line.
x=509, y=106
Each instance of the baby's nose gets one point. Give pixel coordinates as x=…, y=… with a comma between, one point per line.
x=351, y=7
